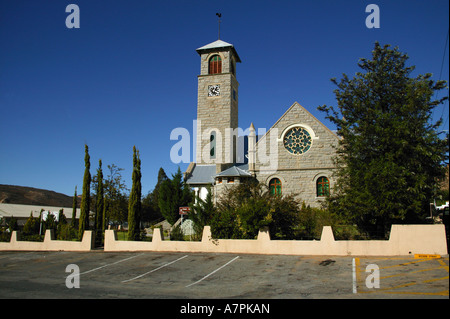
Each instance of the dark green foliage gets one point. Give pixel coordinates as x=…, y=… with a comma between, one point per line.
x=150, y=206
x=50, y=223
x=173, y=194
x=99, y=221
x=115, y=197
x=31, y=226
x=85, y=198
x=177, y=233
x=285, y=217
x=134, y=203
x=390, y=154
x=12, y=224
x=64, y=231
x=73, y=222
x=246, y=208
x=202, y=213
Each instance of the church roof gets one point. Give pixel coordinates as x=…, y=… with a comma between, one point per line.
x=215, y=45
x=202, y=174
x=219, y=44
x=235, y=171
x=205, y=174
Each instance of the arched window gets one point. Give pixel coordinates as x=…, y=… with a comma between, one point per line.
x=323, y=186
x=215, y=65
x=275, y=186
x=212, y=145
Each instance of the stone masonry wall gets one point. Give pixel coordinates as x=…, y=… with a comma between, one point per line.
x=299, y=173
x=218, y=112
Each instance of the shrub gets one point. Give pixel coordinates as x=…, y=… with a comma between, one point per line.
x=246, y=208
x=177, y=233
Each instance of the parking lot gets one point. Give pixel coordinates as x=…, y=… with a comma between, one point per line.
x=205, y=275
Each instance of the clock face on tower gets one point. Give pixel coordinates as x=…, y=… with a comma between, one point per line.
x=214, y=90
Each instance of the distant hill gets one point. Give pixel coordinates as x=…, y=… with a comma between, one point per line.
x=11, y=194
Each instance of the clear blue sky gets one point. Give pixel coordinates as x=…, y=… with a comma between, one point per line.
x=128, y=75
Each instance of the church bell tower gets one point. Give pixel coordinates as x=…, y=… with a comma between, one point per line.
x=217, y=105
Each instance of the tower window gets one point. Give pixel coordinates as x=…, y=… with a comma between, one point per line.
x=215, y=64
x=275, y=186
x=323, y=187
x=212, y=141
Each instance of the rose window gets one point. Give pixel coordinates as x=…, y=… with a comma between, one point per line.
x=297, y=140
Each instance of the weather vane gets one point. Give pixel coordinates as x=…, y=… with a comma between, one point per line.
x=219, y=15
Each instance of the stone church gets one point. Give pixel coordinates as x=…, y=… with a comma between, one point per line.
x=294, y=156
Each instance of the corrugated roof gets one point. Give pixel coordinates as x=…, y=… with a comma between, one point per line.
x=23, y=211
x=202, y=174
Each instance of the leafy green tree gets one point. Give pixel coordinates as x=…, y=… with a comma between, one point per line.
x=390, y=153
x=246, y=208
x=284, y=217
x=173, y=194
x=134, y=204
x=150, y=206
x=85, y=198
x=115, y=196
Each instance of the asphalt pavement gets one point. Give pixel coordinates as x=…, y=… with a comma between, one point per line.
x=160, y=275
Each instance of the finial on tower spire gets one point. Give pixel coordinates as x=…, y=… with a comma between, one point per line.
x=219, y=15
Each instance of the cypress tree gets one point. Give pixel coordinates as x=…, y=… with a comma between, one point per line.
x=73, y=222
x=134, y=204
x=85, y=198
x=99, y=223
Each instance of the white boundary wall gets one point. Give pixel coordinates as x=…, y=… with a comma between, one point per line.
x=404, y=240
x=49, y=243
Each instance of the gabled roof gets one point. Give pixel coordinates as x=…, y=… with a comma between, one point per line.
x=297, y=105
x=235, y=171
x=215, y=45
x=218, y=44
x=205, y=174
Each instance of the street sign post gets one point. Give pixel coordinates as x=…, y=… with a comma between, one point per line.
x=184, y=210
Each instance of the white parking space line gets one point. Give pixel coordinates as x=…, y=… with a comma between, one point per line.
x=114, y=263
x=149, y=272
x=194, y=283
x=354, y=276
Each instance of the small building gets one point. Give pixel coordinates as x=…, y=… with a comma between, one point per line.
x=22, y=212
